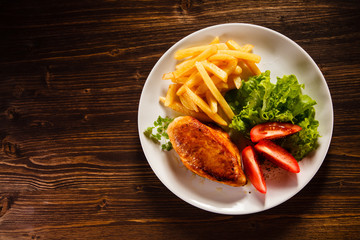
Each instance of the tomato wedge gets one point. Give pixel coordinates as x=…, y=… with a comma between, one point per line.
x=272, y=130
x=252, y=169
x=277, y=155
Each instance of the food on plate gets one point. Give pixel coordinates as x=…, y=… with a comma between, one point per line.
x=252, y=169
x=158, y=133
x=278, y=155
x=272, y=130
x=258, y=101
x=262, y=133
x=204, y=75
x=221, y=83
x=206, y=151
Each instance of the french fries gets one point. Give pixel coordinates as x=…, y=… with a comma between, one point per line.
x=205, y=74
x=213, y=89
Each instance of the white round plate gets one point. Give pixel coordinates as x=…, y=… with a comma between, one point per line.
x=281, y=56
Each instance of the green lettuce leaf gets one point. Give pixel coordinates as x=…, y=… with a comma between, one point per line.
x=259, y=101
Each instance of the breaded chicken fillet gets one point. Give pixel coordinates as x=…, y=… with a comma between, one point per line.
x=206, y=151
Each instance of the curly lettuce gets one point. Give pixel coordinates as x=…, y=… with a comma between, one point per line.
x=258, y=101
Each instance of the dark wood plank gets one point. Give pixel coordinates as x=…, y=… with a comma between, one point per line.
x=71, y=164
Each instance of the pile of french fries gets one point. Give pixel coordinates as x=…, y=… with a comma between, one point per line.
x=204, y=74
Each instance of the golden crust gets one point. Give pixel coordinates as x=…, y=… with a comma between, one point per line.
x=206, y=151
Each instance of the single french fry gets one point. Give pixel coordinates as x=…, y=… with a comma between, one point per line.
x=215, y=70
x=211, y=101
x=186, y=101
x=180, y=80
x=221, y=57
x=242, y=55
x=237, y=70
x=178, y=107
x=205, y=107
x=187, y=52
x=181, y=90
x=215, y=40
x=215, y=92
x=246, y=48
x=233, y=45
x=222, y=46
x=215, y=79
x=179, y=65
x=220, y=64
x=168, y=76
x=253, y=67
x=237, y=82
x=210, y=50
x=246, y=71
x=194, y=51
x=171, y=94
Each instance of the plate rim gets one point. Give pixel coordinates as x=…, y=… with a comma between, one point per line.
x=179, y=42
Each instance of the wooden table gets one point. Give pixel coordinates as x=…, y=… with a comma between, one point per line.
x=71, y=163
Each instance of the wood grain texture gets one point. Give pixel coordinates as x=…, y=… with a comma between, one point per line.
x=71, y=164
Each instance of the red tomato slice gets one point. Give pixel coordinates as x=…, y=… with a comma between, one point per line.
x=252, y=169
x=277, y=155
x=272, y=130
